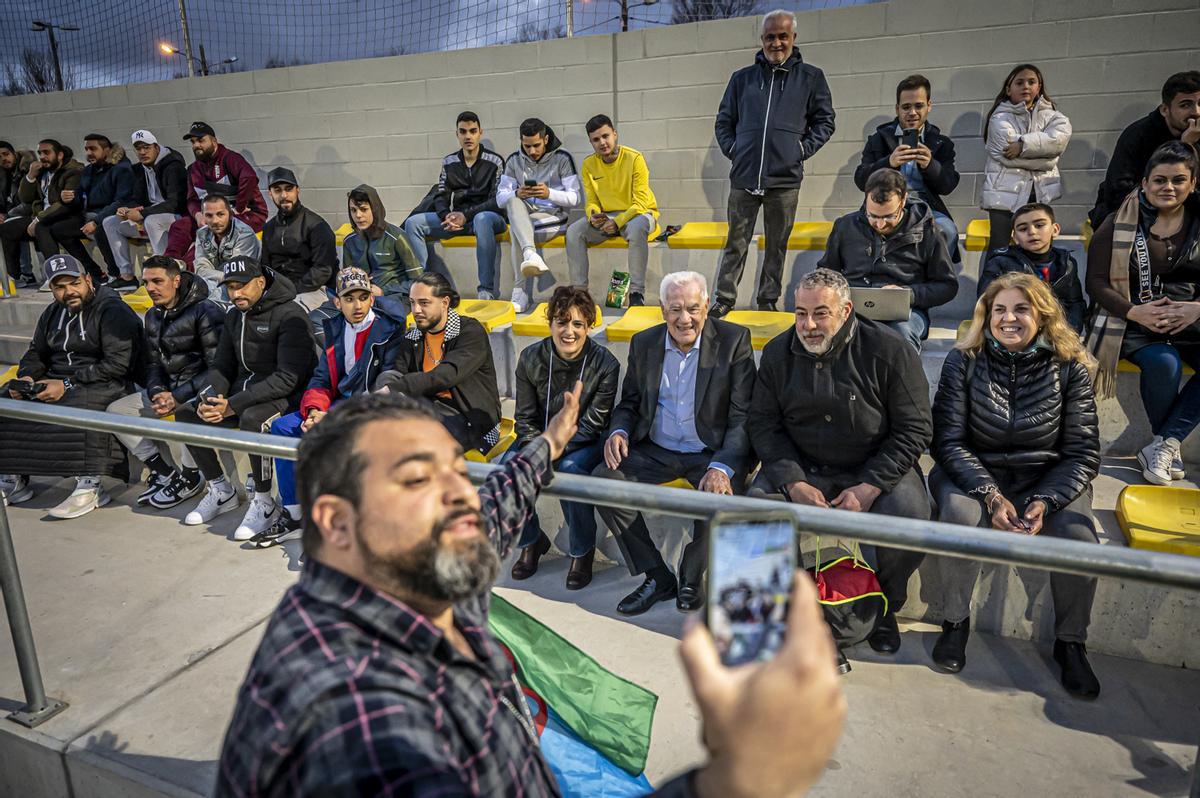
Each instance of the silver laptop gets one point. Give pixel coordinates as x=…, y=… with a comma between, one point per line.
x=882, y=304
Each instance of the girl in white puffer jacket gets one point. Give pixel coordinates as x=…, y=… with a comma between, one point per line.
x=1023, y=138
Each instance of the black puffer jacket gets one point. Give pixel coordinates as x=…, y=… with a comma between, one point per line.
x=181, y=342
x=266, y=353
x=598, y=369
x=771, y=120
x=1006, y=421
x=913, y=255
x=301, y=246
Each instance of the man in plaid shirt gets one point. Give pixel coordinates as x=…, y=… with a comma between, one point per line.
x=377, y=674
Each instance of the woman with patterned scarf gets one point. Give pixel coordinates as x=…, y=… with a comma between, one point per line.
x=1144, y=274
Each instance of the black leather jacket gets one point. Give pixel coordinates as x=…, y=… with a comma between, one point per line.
x=600, y=375
x=302, y=247
x=1022, y=423
x=182, y=341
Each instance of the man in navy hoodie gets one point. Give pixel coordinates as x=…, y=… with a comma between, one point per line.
x=360, y=342
x=775, y=115
x=106, y=184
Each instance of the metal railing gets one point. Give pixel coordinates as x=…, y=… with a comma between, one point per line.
x=1043, y=553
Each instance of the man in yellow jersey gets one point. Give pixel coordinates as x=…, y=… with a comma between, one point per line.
x=617, y=201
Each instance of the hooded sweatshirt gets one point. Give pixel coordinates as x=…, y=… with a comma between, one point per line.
x=382, y=250
x=100, y=344
x=556, y=169
x=162, y=187
x=229, y=173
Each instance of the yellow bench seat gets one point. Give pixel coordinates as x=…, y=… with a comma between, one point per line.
x=978, y=233
x=139, y=300
x=1160, y=518
x=508, y=436
x=634, y=321
x=805, y=236
x=535, y=325
x=763, y=324
x=491, y=313
x=700, y=235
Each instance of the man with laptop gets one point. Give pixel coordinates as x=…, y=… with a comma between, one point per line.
x=892, y=255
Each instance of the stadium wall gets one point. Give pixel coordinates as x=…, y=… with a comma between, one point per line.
x=388, y=121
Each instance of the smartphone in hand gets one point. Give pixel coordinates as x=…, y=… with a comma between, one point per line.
x=910, y=138
x=751, y=569
x=531, y=183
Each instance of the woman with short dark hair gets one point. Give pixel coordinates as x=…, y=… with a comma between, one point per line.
x=545, y=371
x=1016, y=445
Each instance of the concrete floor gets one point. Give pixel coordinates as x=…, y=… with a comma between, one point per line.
x=146, y=627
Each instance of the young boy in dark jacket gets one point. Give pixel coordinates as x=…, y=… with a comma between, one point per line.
x=360, y=343
x=1033, y=252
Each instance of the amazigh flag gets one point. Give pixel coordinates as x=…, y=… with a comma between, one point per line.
x=594, y=726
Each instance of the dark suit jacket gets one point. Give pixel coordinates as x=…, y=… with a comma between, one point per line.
x=724, y=384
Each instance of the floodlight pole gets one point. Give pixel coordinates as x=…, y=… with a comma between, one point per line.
x=187, y=38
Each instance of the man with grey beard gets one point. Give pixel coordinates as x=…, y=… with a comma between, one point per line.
x=840, y=417
x=378, y=674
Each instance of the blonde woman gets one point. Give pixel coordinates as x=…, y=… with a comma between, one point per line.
x=1016, y=447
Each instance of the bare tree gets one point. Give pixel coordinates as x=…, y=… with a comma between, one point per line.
x=277, y=62
x=701, y=10
x=533, y=32
x=34, y=74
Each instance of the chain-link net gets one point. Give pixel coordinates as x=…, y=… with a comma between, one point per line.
x=84, y=44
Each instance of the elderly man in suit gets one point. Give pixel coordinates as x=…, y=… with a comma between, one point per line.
x=682, y=413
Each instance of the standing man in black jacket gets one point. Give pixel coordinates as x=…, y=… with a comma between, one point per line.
x=928, y=167
x=300, y=245
x=183, y=329
x=84, y=353
x=465, y=203
x=1178, y=118
x=160, y=197
x=774, y=116
x=446, y=359
x=682, y=414
x=893, y=243
x=840, y=418
x=264, y=361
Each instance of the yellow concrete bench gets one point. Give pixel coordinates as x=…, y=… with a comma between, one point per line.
x=8, y=376
x=763, y=324
x=139, y=300
x=535, y=324
x=978, y=233
x=339, y=235
x=1160, y=518
x=491, y=313
x=700, y=235
x=508, y=436
x=558, y=242
x=634, y=321
x=805, y=236
x=678, y=483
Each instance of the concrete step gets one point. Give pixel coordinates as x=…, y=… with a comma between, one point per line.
x=24, y=308
x=14, y=341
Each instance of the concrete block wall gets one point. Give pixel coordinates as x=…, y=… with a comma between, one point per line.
x=388, y=121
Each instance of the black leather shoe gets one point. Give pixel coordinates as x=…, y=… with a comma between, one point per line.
x=689, y=599
x=1077, y=675
x=886, y=637
x=636, y=299
x=719, y=309
x=527, y=564
x=579, y=575
x=843, y=664
x=950, y=650
x=646, y=596
x=772, y=306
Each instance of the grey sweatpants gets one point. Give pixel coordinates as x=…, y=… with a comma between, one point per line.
x=581, y=233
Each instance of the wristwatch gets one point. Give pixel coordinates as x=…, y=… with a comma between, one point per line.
x=67, y=384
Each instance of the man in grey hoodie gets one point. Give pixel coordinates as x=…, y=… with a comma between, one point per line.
x=538, y=187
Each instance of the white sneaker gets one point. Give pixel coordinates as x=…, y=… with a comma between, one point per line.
x=532, y=264
x=81, y=502
x=259, y=517
x=1156, y=459
x=15, y=489
x=213, y=504
x=1177, y=471
x=485, y=295
x=45, y=289
x=520, y=299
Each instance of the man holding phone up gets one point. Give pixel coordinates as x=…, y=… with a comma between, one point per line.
x=265, y=359
x=918, y=149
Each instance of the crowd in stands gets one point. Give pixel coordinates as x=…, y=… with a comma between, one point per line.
x=257, y=326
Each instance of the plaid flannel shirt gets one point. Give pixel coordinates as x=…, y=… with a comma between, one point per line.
x=352, y=693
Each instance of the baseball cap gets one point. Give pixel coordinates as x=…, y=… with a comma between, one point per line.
x=281, y=174
x=351, y=279
x=240, y=270
x=144, y=137
x=63, y=265
x=199, y=129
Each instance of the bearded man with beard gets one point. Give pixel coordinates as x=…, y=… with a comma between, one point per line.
x=840, y=417
x=377, y=673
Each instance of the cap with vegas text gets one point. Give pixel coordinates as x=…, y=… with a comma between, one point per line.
x=352, y=279
x=240, y=270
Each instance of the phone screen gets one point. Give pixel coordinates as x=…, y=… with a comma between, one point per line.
x=910, y=138
x=751, y=567
x=530, y=183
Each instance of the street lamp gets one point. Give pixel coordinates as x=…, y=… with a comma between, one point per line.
x=170, y=49
x=625, y=4
x=49, y=27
